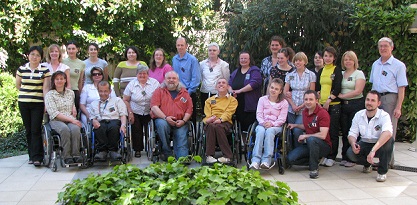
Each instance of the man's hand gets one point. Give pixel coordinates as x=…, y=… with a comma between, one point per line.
x=301, y=138
x=211, y=119
x=123, y=129
x=96, y=124
x=171, y=120
x=291, y=126
x=326, y=105
x=131, y=118
x=179, y=123
x=397, y=113
x=356, y=148
x=370, y=157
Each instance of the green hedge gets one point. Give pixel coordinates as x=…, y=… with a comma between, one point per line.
x=13, y=145
x=11, y=121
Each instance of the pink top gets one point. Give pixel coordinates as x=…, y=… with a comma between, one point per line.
x=268, y=111
x=159, y=73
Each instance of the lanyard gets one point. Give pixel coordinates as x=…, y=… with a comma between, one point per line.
x=101, y=111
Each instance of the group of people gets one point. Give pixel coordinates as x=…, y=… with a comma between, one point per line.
x=316, y=103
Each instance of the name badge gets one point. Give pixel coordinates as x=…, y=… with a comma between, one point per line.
x=76, y=71
x=291, y=77
x=349, y=79
x=182, y=69
x=183, y=100
x=247, y=76
x=143, y=93
x=332, y=76
x=213, y=102
x=377, y=128
x=384, y=73
x=112, y=109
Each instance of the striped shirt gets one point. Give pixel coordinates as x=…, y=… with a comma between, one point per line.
x=31, y=88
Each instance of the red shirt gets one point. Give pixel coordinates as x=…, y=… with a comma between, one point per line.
x=172, y=107
x=319, y=118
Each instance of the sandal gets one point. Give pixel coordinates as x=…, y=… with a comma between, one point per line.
x=37, y=163
x=30, y=162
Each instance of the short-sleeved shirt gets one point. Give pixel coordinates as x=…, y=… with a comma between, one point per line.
x=90, y=94
x=299, y=84
x=89, y=65
x=349, y=83
x=275, y=72
x=77, y=66
x=319, y=118
x=111, y=109
x=370, y=130
x=388, y=76
x=57, y=103
x=140, y=96
x=61, y=67
x=159, y=72
x=31, y=88
x=210, y=75
x=176, y=107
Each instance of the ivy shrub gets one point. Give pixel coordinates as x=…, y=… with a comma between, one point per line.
x=11, y=121
x=13, y=145
x=174, y=183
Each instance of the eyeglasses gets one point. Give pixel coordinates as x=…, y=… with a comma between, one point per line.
x=97, y=74
x=212, y=50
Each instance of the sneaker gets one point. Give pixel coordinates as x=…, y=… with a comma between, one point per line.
x=101, y=156
x=367, y=169
x=314, y=174
x=254, y=165
x=350, y=164
x=381, y=177
x=264, y=165
x=115, y=155
x=224, y=160
x=323, y=161
x=329, y=163
x=211, y=160
x=343, y=162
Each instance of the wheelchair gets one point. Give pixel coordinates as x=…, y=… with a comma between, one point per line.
x=153, y=145
x=51, y=141
x=282, y=145
x=125, y=145
x=234, y=138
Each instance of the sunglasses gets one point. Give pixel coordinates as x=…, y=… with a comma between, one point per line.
x=97, y=74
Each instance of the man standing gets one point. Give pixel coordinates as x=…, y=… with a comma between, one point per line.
x=374, y=127
x=171, y=107
x=108, y=115
x=317, y=144
x=188, y=70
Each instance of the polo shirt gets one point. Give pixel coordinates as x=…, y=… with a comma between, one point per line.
x=319, y=118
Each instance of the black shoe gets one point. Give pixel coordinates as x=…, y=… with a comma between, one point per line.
x=314, y=174
x=69, y=161
x=137, y=154
x=101, y=156
x=37, y=163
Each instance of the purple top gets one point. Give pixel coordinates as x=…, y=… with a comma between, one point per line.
x=254, y=78
x=159, y=73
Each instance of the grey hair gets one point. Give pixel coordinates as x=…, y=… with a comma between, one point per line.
x=214, y=44
x=104, y=83
x=166, y=74
x=142, y=68
x=386, y=39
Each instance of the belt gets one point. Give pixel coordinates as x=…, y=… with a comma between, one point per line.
x=386, y=93
x=346, y=102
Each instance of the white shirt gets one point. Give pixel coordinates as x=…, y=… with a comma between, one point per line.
x=111, y=109
x=61, y=67
x=90, y=93
x=140, y=97
x=370, y=131
x=209, y=76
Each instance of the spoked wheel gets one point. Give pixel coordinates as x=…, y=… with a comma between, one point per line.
x=54, y=166
x=123, y=151
x=47, y=146
x=191, y=135
x=285, y=146
x=151, y=141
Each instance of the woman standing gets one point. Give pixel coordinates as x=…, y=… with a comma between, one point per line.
x=159, y=65
x=353, y=84
x=137, y=97
x=245, y=84
x=318, y=62
x=94, y=61
x=329, y=85
x=54, y=59
x=77, y=68
x=275, y=44
x=298, y=81
x=59, y=103
x=126, y=70
x=285, y=55
x=271, y=114
x=212, y=69
x=32, y=81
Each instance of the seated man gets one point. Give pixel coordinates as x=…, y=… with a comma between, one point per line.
x=219, y=110
x=108, y=115
x=317, y=144
x=171, y=107
x=374, y=127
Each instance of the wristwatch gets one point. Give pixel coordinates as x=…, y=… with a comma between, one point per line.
x=330, y=98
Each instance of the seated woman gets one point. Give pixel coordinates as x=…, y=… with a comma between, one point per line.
x=59, y=103
x=219, y=110
x=271, y=114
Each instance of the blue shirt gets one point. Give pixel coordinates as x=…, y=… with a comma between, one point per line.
x=388, y=76
x=188, y=69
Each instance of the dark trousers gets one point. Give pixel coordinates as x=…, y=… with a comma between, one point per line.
x=245, y=119
x=384, y=154
x=348, y=111
x=218, y=132
x=194, y=115
x=334, y=112
x=137, y=131
x=203, y=98
x=32, y=115
x=77, y=100
x=108, y=135
x=309, y=153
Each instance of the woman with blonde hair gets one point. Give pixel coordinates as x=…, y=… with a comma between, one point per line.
x=54, y=61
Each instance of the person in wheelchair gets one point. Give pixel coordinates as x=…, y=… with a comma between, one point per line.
x=218, y=111
x=59, y=103
x=171, y=107
x=317, y=144
x=271, y=114
x=108, y=116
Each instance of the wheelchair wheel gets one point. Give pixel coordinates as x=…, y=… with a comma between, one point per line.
x=285, y=147
x=151, y=141
x=54, y=167
x=191, y=141
x=84, y=152
x=201, y=142
x=47, y=145
x=128, y=139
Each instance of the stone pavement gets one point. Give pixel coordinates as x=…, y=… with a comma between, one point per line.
x=21, y=183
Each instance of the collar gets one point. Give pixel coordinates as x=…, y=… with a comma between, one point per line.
x=103, y=101
x=389, y=61
x=377, y=114
x=138, y=83
x=217, y=95
x=316, y=110
x=26, y=66
x=185, y=57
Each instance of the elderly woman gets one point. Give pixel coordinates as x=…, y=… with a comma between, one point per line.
x=353, y=83
x=137, y=97
x=212, y=69
x=59, y=103
x=158, y=65
x=54, y=62
x=94, y=61
x=126, y=70
x=245, y=83
x=32, y=81
x=271, y=114
x=275, y=44
x=90, y=93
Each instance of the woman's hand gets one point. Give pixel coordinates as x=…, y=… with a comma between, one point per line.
x=131, y=118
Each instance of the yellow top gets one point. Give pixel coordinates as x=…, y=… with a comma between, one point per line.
x=326, y=80
x=221, y=107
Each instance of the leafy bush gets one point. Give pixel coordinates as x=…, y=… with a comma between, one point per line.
x=11, y=121
x=174, y=183
x=15, y=144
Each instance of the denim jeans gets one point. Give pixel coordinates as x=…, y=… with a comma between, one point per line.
x=296, y=132
x=264, y=138
x=309, y=153
x=180, y=138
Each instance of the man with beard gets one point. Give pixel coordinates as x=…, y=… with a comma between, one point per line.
x=374, y=127
x=171, y=108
